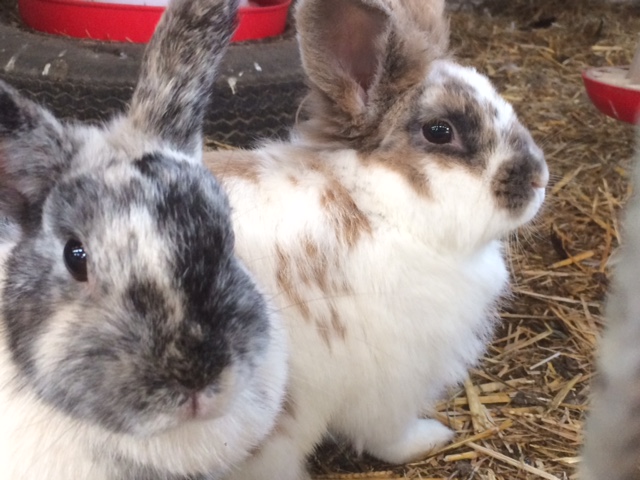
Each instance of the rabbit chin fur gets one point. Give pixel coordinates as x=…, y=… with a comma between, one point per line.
x=388, y=295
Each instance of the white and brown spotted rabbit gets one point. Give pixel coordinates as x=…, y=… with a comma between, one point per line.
x=377, y=229
x=134, y=345
x=612, y=440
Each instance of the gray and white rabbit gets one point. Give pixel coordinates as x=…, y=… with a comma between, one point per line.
x=378, y=228
x=612, y=439
x=133, y=343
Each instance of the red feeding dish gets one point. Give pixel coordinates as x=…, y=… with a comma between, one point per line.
x=135, y=23
x=613, y=93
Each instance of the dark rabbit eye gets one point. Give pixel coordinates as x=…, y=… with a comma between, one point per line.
x=75, y=258
x=438, y=132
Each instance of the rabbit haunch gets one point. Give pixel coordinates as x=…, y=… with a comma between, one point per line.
x=133, y=342
x=377, y=228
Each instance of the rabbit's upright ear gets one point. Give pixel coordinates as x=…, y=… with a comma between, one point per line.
x=360, y=55
x=35, y=149
x=342, y=46
x=178, y=70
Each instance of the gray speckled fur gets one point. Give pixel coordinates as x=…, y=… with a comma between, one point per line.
x=167, y=310
x=196, y=314
x=178, y=70
x=612, y=442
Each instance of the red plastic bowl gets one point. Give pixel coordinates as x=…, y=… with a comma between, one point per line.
x=136, y=23
x=611, y=94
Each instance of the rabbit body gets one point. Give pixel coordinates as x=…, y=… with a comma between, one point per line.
x=388, y=297
x=376, y=229
x=133, y=342
x=380, y=322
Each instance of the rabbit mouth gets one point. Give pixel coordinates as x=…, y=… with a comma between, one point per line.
x=213, y=401
x=179, y=405
x=533, y=206
x=187, y=409
x=202, y=406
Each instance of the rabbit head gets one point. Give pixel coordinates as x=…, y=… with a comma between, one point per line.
x=382, y=83
x=123, y=305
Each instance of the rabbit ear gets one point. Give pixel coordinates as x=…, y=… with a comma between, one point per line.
x=360, y=55
x=35, y=148
x=342, y=45
x=178, y=70
x=427, y=16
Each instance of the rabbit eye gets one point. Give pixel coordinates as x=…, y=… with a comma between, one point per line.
x=438, y=132
x=75, y=258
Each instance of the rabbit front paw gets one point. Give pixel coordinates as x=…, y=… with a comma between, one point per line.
x=419, y=439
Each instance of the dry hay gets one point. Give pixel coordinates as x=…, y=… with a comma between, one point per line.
x=520, y=415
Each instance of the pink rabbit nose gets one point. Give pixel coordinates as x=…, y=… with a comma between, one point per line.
x=212, y=401
x=540, y=180
x=202, y=404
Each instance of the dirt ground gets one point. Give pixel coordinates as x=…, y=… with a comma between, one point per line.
x=520, y=416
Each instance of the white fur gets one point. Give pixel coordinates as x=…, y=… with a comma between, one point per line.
x=418, y=301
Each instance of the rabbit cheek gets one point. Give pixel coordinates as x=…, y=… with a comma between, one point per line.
x=123, y=379
x=405, y=161
x=26, y=303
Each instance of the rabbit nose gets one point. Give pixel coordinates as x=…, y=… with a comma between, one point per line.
x=197, y=373
x=538, y=182
x=192, y=382
x=193, y=361
x=211, y=401
x=541, y=179
x=197, y=376
x=201, y=404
